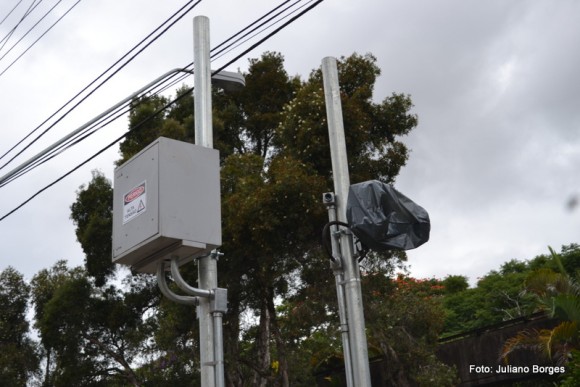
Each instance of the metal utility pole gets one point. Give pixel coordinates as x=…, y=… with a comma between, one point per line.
x=207, y=266
x=357, y=341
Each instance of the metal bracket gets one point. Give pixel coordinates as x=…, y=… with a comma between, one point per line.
x=215, y=254
x=219, y=301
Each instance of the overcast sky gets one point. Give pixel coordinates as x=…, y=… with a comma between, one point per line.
x=495, y=84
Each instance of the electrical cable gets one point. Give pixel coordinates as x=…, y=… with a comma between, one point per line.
x=239, y=41
x=10, y=13
x=179, y=79
x=72, y=141
x=362, y=250
x=252, y=47
x=187, y=10
x=30, y=9
x=30, y=29
x=219, y=48
x=141, y=123
x=214, y=72
x=159, y=111
x=216, y=50
x=40, y=37
x=75, y=140
x=88, y=129
x=91, y=127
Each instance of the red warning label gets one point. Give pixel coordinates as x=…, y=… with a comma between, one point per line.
x=135, y=202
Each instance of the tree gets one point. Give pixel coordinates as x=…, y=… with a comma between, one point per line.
x=92, y=335
x=501, y=294
x=19, y=358
x=558, y=294
x=455, y=284
x=374, y=150
x=275, y=160
x=272, y=214
x=91, y=213
x=497, y=297
x=405, y=318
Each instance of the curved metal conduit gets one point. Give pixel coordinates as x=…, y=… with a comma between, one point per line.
x=218, y=306
x=184, y=285
x=186, y=300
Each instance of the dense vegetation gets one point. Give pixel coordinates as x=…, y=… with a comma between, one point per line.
x=98, y=328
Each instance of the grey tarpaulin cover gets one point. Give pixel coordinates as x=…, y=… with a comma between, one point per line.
x=383, y=218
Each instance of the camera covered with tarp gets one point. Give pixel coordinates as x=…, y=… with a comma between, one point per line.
x=382, y=218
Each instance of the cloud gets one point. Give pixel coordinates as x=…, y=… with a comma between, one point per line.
x=494, y=159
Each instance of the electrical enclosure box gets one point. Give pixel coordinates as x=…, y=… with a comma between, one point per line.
x=166, y=204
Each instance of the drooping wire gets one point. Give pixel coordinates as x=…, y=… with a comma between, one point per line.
x=183, y=10
x=276, y=31
x=185, y=69
x=103, y=122
x=159, y=111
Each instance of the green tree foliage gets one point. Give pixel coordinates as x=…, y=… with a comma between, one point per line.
x=91, y=214
x=501, y=294
x=19, y=359
x=275, y=156
x=497, y=297
x=91, y=335
x=405, y=319
x=455, y=284
x=146, y=119
x=273, y=143
x=557, y=293
x=373, y=148
x=43, y=287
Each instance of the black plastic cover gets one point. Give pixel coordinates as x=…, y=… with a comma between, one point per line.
x=383, y=218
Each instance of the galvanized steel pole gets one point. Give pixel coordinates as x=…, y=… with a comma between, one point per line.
x=207, y=266
x=352, y=283
x=202, y=82
x=338, y=269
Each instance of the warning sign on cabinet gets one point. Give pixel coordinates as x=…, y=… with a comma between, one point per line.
x=135, y=202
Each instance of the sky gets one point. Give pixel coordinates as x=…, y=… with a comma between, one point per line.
x=495, y=85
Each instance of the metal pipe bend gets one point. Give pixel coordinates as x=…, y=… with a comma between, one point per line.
x=184, y=285
x=161, y=280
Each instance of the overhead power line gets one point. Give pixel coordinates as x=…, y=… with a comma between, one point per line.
x=10, y=13
x=30, y=9
x=159, y=111
x=228, y=43
x=147, y=41
x=30, y=30
x=40, y=37
x=71, y=141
